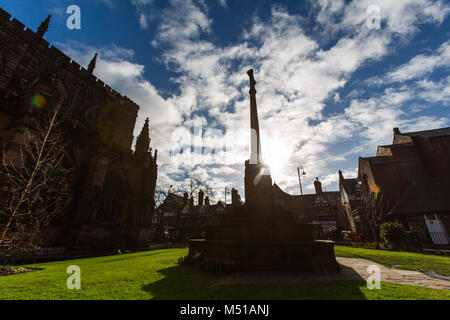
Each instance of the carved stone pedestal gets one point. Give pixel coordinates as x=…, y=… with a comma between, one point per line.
x=238, y=246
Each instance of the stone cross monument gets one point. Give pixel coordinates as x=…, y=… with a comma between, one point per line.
x=260, y=235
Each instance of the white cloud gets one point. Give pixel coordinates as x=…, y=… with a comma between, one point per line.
x=435, y=91
x=223, y=3
x=418, y=67
x=141, y=2
x=401, y=16
x=295, y=75
x=143, y=21
x=109, y=3
x=142, y=7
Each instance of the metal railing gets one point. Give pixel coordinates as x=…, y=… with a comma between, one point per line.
x=440, y=238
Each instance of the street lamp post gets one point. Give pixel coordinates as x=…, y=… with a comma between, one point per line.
x=227, y=191
x=299, y=177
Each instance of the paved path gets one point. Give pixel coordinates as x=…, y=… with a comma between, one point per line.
x=351, y=269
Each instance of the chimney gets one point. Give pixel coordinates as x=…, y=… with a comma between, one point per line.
x=200, y=198
x=235, y=197
x=318, y=186
x=185, y=198
x=207, y=201
x=396, y=131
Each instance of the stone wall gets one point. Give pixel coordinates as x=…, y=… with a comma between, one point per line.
x=98, y=124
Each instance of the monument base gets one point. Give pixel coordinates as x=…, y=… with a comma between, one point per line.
x=310, y=256
x=262, y=246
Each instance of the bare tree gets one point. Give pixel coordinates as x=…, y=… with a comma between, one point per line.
x=161, y=193
x=36, y=185
x=372, y=209
x=196, y=184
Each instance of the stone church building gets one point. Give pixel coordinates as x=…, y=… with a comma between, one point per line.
x=113, y=192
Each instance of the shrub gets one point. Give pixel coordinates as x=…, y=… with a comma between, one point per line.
x=412, y=242
x=393, y=234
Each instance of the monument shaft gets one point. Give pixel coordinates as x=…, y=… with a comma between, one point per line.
x=255, y=155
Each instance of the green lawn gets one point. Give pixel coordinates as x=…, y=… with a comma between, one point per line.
x=408, y=260
x=156, y=275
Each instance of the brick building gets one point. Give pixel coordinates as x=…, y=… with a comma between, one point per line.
x=182, y=219
x=319, y=208
x=114, y=187
x=412, y=175
x=350, y=200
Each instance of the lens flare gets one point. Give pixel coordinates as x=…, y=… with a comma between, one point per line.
x=38, y=101
x=375, y=188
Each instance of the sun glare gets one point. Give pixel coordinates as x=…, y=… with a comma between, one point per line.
x=277, y=158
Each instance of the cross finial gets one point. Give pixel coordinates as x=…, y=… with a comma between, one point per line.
x=252, y=81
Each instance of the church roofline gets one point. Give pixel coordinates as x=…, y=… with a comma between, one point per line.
x=439, y=132
x=55, y=54
x=397, y=145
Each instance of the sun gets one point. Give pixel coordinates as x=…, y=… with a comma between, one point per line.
x=276, y=155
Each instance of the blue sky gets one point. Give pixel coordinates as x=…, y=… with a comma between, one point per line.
x=330, y=86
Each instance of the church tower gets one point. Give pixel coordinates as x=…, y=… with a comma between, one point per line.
x=143, y=140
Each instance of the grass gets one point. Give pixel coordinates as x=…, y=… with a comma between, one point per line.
x=156, y=275
x=408, y=260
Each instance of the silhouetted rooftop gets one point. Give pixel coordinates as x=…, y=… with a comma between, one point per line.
x=349, y=184
x=377, y=159
x=397, y=145
x=429, y=196
x=441, y=132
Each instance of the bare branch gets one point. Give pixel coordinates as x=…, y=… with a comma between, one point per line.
x=37, y=190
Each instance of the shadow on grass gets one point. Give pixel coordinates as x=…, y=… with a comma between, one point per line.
x=191, y=283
